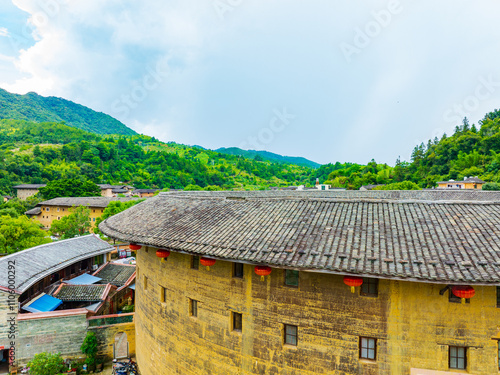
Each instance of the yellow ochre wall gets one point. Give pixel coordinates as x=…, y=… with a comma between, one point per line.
x=465, y=185
x=413, y=323
x=57, y=212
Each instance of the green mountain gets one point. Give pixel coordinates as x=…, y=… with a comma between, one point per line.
x=266, y=155
x=36, y=108
x=41, y=152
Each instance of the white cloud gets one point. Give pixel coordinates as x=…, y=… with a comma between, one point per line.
x=4, y=31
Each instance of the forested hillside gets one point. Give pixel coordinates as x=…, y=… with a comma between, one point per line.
x=266, y=155
x=42, y=152
x=36, y=108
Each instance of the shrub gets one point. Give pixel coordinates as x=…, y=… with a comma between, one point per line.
x=46, y=364
x=491, y=186
x=89, y=348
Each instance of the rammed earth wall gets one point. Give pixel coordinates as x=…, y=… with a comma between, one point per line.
x=413, y=323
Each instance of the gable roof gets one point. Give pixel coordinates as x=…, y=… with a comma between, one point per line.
x=100, y=202
x=116, y=274
x=432, y=236
x=83, y=293
x=32, y=265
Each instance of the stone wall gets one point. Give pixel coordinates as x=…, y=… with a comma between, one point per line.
x=414, y=325
x=106, y=338
x=56, y=332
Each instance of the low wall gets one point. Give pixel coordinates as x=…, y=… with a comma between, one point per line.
x=106, y=333
x=56, y=332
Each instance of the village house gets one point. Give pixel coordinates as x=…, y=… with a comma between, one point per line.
x=113, y=190
x=24, y=191
x=49, y=299
x=316, y=282
x=467, y=183
x=144, y=193
x=54, y=209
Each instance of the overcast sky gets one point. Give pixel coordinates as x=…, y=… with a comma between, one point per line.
x=328, y=80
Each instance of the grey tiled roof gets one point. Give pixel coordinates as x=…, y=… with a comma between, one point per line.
x=145, y=191
x=87, y=293
x=115, y=274
x=101, y=202
x=34, y=211
x=34, y=264
x=435, y=235
x=29, y=186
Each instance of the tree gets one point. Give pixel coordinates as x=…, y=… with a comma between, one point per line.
x=46, y=364
x=20, y=233
x=491, y=186
x=75, y=224
x=89, y=348
x=72, y=187
x=114, y=207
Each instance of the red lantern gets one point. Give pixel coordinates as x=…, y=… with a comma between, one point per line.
x=353, y=282
x=163, y=254
x=262, y=271
x=463, y=291
x=207, y=262
x=134, y=246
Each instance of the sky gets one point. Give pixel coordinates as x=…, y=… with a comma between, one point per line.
x=327, y=80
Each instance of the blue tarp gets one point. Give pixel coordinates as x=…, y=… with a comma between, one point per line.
x=132, y=286
x=84, y=279
x=42, y=304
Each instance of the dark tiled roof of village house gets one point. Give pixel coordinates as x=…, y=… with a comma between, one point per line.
x=87, y=293
x=434, y=235
x=29, y=186
x=32, y=265
x=101, y=202
x=116, y=274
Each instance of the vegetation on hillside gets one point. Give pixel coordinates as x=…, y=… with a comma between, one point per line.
x=36, y=108
x=269, y=156
x=39, y=153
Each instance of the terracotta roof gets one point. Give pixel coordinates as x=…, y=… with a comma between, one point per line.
x=116, y=274
x=83, y=293
x=101, y=202
x=32, y=265
x=434, y=236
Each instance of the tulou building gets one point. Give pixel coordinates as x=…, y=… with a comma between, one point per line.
x=316, y=282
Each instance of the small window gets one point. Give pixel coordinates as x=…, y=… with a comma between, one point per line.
x=93, y=219
x=47, y=209
x=238, y=270
x=63, y=209
x=59, y=218
x=291, y=335
x=369, y=288
x=145, y=283
x=195, y=262
x=367, y=348
x=292, y=278
x=237, y=321
x=498, y=355
x=458, y=357
x=57, y=209
x=498, y=296
x=163, y=294
x=193, y=307
x=453, y=298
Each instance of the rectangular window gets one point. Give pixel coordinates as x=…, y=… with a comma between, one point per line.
x=145, y=283
x=453, y=298
x=238, y=270
x=291, y=278
x=237, y=321
x=93, y=219
x=367, y=348
x=291, y=335
x=369, y=287
x=163, y=294
x=57, y=209
x=193, y=307
x=458, y=357
x=498, y=296
x=195, y=262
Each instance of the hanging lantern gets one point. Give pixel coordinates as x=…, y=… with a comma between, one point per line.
x=207, y=262
x=134, y=246
x=353, y=282
x=262, y=271
x=163, y=254
x=463, y=291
